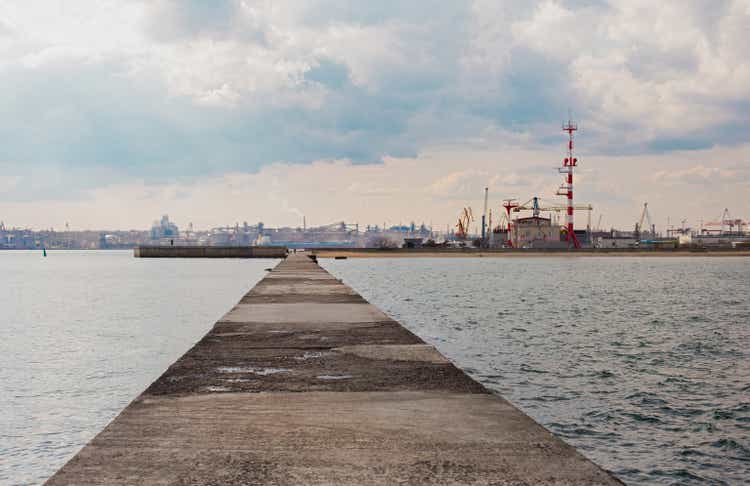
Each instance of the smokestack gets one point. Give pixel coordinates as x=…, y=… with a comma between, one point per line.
x=484, y=216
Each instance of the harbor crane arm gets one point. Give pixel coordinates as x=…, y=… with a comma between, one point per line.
x=532, y=205
x=728, y=220
x=464, y=219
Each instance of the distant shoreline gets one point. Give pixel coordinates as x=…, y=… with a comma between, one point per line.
x=471, y=253
x=430, y=252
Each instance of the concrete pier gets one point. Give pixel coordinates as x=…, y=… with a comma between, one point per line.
x=304, y=382
x=209, y=251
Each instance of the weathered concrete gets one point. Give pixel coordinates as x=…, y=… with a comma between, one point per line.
x=305, y=312
x=296, y=387
x=396, y=352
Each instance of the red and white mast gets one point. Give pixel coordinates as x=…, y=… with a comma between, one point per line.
x=567, y=188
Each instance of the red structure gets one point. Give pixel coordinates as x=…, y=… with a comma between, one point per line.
x=509, y=204
x=567, y=188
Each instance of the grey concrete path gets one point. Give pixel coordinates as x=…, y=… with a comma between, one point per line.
x=305, y=383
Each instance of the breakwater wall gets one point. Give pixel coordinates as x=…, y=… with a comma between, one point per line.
x=210, y=252
x=305, y=382
x=520, y=252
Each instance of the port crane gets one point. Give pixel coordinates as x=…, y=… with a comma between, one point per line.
x=464, y=220
x=509, y=205
x=726, y=220
x=489, y=241
x=645, y=217
x=536, y=208
x=502, y=225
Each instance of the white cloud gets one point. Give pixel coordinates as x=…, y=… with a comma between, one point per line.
x=660, y=68
x=9, y=182
x=554, y=30
x=699, y=174
x=651, y=69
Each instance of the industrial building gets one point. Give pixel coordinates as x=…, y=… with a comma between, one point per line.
x=535, y=232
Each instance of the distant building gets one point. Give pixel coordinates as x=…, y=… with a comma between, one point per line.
x=498, y=238
x=614, y=241
x=413, y=243
x=164, y=229
x=535, y=232
x=263, y=240
x=718, y=241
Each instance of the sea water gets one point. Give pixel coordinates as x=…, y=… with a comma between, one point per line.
x=85, y=332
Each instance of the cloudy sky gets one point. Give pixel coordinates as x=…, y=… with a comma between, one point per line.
x=115, y=112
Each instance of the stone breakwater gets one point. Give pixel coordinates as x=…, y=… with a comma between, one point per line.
x=304, y=382
x=210, y=252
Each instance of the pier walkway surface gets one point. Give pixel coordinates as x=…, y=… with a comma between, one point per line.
x=304, y=382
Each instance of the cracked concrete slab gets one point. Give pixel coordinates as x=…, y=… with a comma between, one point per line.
x=414, y=352
x=362, y=368
x=305, y=312
x=315, y=334
x=311, y=276
x=289, y=286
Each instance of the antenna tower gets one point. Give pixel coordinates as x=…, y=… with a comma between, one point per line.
x=566, y=189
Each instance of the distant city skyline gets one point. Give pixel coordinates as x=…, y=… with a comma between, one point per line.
x=219, y=112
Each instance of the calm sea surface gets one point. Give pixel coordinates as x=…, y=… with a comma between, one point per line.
x=83, y=333
x=643, y=364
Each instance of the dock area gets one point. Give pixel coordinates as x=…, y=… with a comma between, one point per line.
x=305, y=382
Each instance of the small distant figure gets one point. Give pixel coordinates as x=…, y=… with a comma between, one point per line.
x=44, y=252
x=171, y=242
